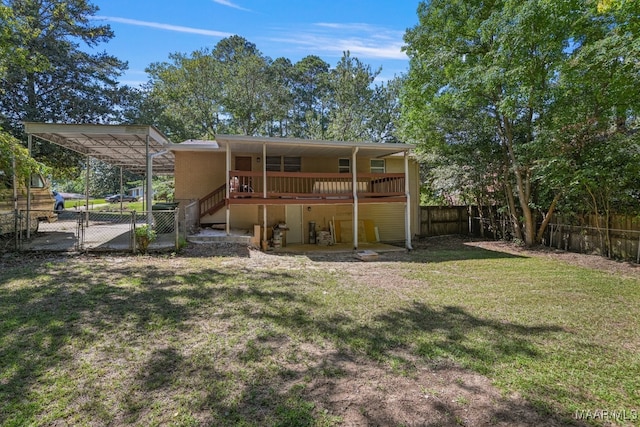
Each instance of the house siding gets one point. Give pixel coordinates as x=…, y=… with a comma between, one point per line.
x=197, y=174
x=388, y=218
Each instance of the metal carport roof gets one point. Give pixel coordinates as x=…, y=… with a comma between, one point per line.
x=118, y=145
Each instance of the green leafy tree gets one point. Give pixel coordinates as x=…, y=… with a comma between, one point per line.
x=14, y=159
x=184, y=97
x=310, y=93
x=234, y=88
x=229, y=89
x=66, y=84
x=164, y=188
x=12, y=53
x=279, y=103
x=498, y=62
x=606, y=180
x=12, y=153
x=245, y=86
x=352, y=94
x=385, y=111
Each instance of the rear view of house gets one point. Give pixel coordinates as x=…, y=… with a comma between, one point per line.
x=359, y=192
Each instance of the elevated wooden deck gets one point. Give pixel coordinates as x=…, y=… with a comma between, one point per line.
x=296, y=187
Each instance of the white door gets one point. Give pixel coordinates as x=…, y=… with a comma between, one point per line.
x=293, y=215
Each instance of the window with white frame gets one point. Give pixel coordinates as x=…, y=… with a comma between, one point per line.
x=344, y=165
x=377, y=166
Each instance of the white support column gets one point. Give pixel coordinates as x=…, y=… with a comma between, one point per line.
x=264, y=191
x=407, y=192
x=354, y=187
x=29, y=143
x=264, y=171
x=227, y=173
x=264, y=223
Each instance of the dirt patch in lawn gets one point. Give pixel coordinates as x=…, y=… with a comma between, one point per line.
x=362, y=393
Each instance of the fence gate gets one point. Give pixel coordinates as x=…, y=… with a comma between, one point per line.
x=92, y=231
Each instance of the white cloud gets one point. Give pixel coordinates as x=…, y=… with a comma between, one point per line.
x=230, y=4
x=361, y=40
x=168, y=27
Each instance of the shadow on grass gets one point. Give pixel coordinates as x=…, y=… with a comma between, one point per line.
x=230, y=375
x=455, y=250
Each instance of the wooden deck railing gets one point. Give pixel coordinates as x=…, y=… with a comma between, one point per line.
x=245, y=184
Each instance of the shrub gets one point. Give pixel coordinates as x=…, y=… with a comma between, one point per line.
x=144, y=236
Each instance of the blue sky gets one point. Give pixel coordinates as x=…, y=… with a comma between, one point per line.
x=147, y=31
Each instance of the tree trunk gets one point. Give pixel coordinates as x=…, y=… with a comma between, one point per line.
x=522, y=186
x=511, y=204
x=547, y=218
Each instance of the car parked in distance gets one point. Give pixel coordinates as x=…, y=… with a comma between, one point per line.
x=121, y=197
x=58, y=205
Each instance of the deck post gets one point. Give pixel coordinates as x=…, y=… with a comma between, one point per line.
x=29, y=143
x=264, y=192
x=264, y=223
x=264, y=173
x=407, y=219
x=354, y=185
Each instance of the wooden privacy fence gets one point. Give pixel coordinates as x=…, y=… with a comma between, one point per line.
x=588, y=234
x=444, y=220
x=463, y=220
x=619, y=239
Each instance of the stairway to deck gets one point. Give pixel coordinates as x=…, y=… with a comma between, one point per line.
x=212, y=202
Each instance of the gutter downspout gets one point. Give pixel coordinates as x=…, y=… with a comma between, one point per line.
x=149, y=190
x=407, y=193
x=354, y=182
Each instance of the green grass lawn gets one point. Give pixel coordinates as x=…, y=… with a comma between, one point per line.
x=176, y=340
x=101, y=204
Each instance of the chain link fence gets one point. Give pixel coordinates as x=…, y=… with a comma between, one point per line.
x=90, y=230
x=192, y=217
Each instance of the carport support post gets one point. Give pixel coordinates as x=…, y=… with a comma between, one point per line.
x=86, y=192
x=121, y=191
x=149, y=190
